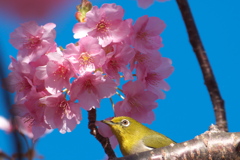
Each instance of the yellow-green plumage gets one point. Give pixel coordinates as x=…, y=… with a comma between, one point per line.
x=134, y=137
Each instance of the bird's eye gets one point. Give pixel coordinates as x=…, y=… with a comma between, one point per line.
x=125, y=122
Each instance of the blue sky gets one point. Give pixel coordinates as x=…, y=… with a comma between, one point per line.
x=187, y=110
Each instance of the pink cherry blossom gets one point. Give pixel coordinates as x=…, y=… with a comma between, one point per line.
x=20, y=80
x=117, y=61
x=18, y=83
x=56, y=73
x=60, y=113
x=87, y=56
x=149, y=61
x=32, y=113
x=104, y=23
x=32, y=40
x=89, y=70
x=146, y=30
x=25, y=128
x=154, y=79
x=26, y=9
x=105, y=131
x=147, y=3
x=138, y=102
x=90, y=88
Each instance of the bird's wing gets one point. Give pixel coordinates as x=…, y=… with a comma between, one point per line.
x=156, y=141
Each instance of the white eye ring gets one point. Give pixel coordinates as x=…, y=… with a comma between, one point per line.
x=125, y=122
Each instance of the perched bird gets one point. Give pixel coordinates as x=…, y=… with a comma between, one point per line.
x=134, y=137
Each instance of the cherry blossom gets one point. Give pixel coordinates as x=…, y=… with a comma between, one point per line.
x=26, y=9
x=117, y=61
x=20, y=80
x=56, y=73
x=148, y=61
x=90, y=88
x=138, y=102
x=60, y=113
x=32, y=40
x=106, y=131
x=145, y=36
x=52, y=84
x=87, y=56
x=32, y=113
x=154, y=79
x=104, y=23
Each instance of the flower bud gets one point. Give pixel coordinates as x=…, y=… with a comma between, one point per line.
x=82, y=9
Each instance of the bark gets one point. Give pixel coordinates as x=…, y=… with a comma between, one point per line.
x=211, y=145
x=210, y=82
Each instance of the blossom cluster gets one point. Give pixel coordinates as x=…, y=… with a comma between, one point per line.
x=52, y=84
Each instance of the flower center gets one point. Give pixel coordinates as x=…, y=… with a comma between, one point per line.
x=142, y=35
x=113, y=63
x=64, y=109
x=24, y=85
x=32, y=42
x=85, y=58
x=61, y=72
x=102, y=26
x=108, y=49
x=88, y=85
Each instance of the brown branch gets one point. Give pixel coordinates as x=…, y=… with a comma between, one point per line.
x=94, y=131
x=18, y=146
x=209, y=78
x=211, y=145
x=5, y=156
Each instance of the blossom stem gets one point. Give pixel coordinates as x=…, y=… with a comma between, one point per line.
x=112, y=105
x=119, y=95
x=195, y=40
x=120, y=89
x=65, y=91
x=94, y=131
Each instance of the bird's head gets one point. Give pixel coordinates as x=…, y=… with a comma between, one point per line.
x=123, y=126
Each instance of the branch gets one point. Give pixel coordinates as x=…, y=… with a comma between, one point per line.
x=5, y=156
x=18, y=146
x=209, y=78
x=94, y=131
x=212, y=145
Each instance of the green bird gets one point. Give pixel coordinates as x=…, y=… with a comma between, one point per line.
x=133, y=137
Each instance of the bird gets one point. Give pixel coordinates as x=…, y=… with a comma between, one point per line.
x=134, y=137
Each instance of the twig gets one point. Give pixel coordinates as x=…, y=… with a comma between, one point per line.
x=120, y=95
x=209, y=78
x=94, y=131
x=7, y=101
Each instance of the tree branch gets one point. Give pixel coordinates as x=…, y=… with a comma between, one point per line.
x=211, y=145
x=94, y=131
x=7, y=101
x=209, y=78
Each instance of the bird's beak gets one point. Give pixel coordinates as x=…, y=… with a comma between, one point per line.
x=108, y=122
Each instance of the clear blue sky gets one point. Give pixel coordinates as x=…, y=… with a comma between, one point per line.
x=187, y=110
